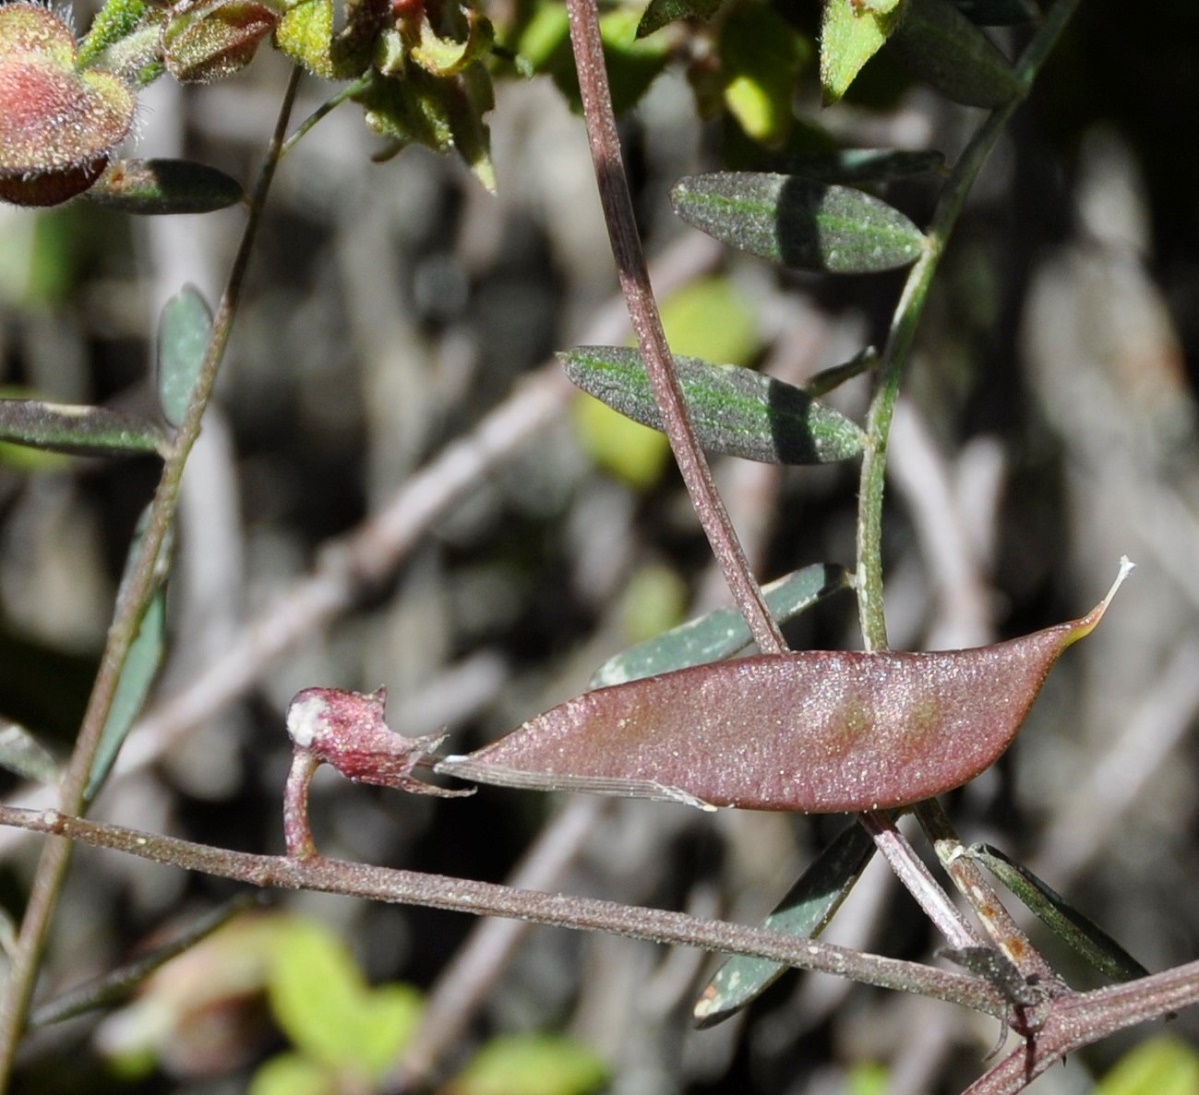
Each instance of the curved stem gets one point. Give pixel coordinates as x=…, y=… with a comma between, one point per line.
x=52, y=868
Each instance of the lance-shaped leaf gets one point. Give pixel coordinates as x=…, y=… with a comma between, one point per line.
x=137, y=675
x=813, y=732
x=735, y=411
x=142, y=660
x=721, y=633
x=78, y=430
x=806, y=911
x=939, y=44
x=1083, y=934
x=149, y=187
x=183, y=334
x=798, y=222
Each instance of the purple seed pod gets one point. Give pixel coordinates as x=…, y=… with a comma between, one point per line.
x=810, y=732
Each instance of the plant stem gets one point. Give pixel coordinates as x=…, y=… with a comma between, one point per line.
x=968, y=878
x=647, y=324
x=555, y=909
x=52, y=868
x=903, y=331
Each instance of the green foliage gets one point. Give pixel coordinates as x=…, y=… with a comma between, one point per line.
x=184, y=332
x=633, y=62
x=790, y=220
x=659, y=13
x=940, y=45
x=532, y=1064
x=55, y=427
x=850, y=35
x=1164, y=1065
x=164, y=186
x=721, y=633
x=762, y=58
x=806, y=911
x=735, y=411
x=331, y=1016
x=1086, y=937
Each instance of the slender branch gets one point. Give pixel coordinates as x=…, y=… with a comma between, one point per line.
x=1086, y=1018
x=643, y=311
x=485, y=898
x=52, y=867
x=905, y=321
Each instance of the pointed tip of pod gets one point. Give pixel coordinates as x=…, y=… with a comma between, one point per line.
x=1084, y=626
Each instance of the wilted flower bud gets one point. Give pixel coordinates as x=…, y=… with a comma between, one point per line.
x=346, y=730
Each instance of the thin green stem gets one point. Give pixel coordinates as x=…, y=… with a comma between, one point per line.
x=326, y=108
x=903, y=331
x=52, y=867
x=968, y=878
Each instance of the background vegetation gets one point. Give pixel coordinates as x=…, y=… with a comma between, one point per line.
x=393, y=315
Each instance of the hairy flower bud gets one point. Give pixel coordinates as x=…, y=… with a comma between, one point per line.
x=58, y=126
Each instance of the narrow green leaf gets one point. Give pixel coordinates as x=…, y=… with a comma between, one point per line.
x=149, y=187
x=1086, y=937
x=850, y=34
x=661, y=12
x=805, y=911
x=183, y=334
x=532, y=1064
x=1164, y=1065
x=137, y=675
x=939, y=44
x=78, y=430
x=722, y=633
x=860, y=166
x=22, y=753
x=799, y=223
x=735, y=411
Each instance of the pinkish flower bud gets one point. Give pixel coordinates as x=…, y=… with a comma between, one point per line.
x=58, y=126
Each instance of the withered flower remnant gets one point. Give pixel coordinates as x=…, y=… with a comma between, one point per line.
x=347, y=730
